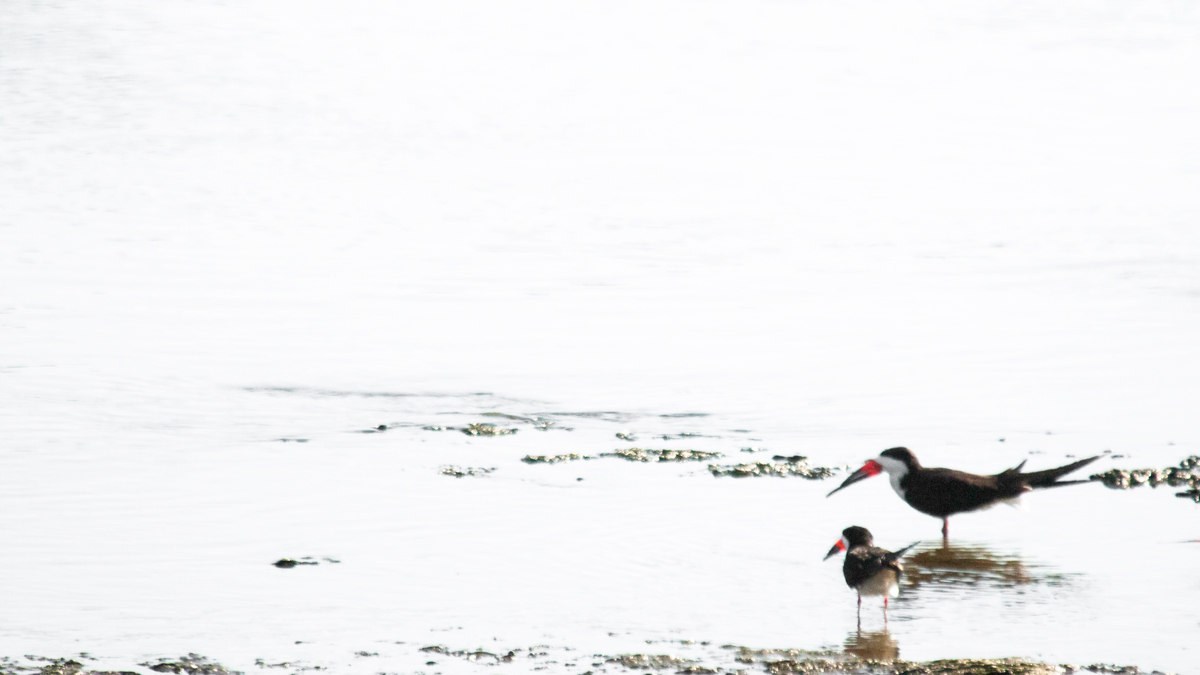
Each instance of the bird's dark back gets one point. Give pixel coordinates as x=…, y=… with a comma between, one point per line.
x=944, y=492
x=863, y=562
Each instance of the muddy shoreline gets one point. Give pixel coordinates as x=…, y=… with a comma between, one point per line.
x=722, y=660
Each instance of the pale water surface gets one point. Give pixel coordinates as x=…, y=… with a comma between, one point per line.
x=825, y=229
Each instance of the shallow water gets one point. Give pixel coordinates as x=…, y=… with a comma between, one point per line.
x=238, y=238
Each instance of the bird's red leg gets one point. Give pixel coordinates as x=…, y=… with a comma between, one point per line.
x=945, y=528
x=885, y=611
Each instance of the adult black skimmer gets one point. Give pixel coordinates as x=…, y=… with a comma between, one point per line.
x=868, y=569
x=942, y=493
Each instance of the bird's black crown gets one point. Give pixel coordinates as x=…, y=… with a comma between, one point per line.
x=857, y=536
x=904, y=455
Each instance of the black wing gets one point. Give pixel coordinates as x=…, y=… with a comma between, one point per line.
x=944, y=492
x=864, y=562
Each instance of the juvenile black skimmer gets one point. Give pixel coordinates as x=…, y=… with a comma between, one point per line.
x=868, y=569
x=942, y=493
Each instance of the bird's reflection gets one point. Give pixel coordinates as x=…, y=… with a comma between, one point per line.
x=973, y=565
x=950, y=568
x=878, y=645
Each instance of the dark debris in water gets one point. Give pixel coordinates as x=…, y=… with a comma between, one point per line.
x=814, y=666
x=974, y=667
x=626, y=436
x=776, y=662
x=1009, y=666
x=796, y=465
x=631, y=454
x=747, y=655
x=773, y=661
x=651, y=661
x=435, y=649
x=553, y=459
x=192, y=664
x=644, y=455
x=466, y=471
x=809, y=662
x=289, y=563
x=1186, y=475
x=474, y=654
x=64, y=666
x=474, y=429
x=485, y=429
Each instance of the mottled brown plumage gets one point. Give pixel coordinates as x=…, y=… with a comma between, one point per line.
x=868, y=569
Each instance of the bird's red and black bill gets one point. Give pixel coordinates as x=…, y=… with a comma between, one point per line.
x=837, y=548
x=871, y=468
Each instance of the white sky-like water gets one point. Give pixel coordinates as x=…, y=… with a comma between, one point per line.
x=835, y=228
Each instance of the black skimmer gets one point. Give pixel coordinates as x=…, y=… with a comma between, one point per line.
x=868, y=569
x=942, y=493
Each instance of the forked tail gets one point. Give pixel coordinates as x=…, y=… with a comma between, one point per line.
x=893, y=560
x=1049, y=477
x=895, y=555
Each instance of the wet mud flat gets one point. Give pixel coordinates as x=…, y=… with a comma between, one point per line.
x=436, y=658
x=191, y=664
x=497, y=473
x=634, y=454
x=779, y=466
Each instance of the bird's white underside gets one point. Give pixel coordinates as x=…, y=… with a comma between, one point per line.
x=1014, y=502
x=883, y=583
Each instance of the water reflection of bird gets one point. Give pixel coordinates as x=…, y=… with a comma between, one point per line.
x=942, y=493
x=973, y=565
x=868, y=569
x=878, y=645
